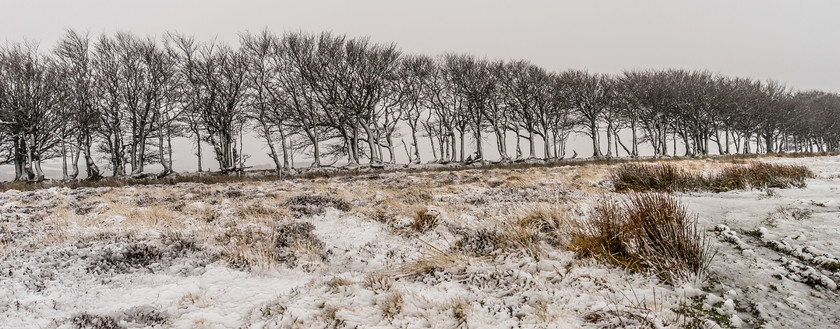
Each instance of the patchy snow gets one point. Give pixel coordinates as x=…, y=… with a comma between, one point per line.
x=208, y=256
x=788, y=277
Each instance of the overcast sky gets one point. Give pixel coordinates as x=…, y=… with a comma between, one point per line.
x=795, y=42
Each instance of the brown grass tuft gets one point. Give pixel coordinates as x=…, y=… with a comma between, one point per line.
x=425, y=219
x=660, y=177
x=761, y=175
x=649, y=231
x=667, y=177
x=391, y=305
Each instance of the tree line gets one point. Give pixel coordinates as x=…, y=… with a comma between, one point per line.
x=329, y=97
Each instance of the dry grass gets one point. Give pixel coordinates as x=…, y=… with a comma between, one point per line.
x=86, y=320
x=661, y=177
x=538, y=225
x=461, y=311
x=190, y=299
x=254, y=249
x=269, y=176
x=152, y=216
x=262, y=208
x=552, y=221
x=434, y=259
x=648, y=231
x=54, y=227
x=6, y=248
x=378, y=282
x=263, y=246
x=761, y=175
x=392, y=304
x=425, y=219
x=667, y=177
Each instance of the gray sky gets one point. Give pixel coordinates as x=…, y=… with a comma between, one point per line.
x=795, y=42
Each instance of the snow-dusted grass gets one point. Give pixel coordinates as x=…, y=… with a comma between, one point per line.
x=668, y=177
x=488, y=248
x=647, y=232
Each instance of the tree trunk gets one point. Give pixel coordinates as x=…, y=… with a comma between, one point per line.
x=501, y=145
x=768, y=142
x=546, y=145
x=64, y=176
x=416, y=146
x=198, y=149
x=432, y=142
x=747, y=143
x=478, y=147
x=139, y=150
x=90, y=165
x=317, y=160
x=161, y=152
x=74, y=163
x=452, y=153
x=635, y=139
x=18, y=159
x=372, y=145
x=272, y=150
x=618, y=142
x=390, y=140
x=726, y=133
x=518, y=146
x=463, y=144
x=532, y=147
x=169, y=145
x=609, y=141
x=596, y=144
x=284, y=149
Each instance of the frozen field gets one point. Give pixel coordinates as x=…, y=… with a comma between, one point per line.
x=466, y=249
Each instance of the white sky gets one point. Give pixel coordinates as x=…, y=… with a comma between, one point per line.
x=792, y=41
x=795, y=42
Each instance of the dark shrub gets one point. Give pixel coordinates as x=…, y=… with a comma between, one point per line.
x=93, y=321
x=295, y=236
x=133, y=256
x=145, y=315
x=479, y=243
x=309, y=205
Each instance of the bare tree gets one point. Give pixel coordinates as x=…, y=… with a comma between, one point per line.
x=414, y=73
x=303, y=106
x=74, y=55
x=30, y=110
x=262, y=95
x=522, y=82
x=589, y=94
x=222, y=74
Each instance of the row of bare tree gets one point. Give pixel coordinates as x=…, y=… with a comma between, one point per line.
x=327, y=96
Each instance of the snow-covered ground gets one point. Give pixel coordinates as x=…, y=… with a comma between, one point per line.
x=470, y=249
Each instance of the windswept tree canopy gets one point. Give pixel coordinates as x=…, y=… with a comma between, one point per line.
x=118, y=100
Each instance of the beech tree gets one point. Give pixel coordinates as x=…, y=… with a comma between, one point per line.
x=120, y=100
x=74, y=55
x=30, y=110
x=589, y=95
x=263, y=95
x=413, y=77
